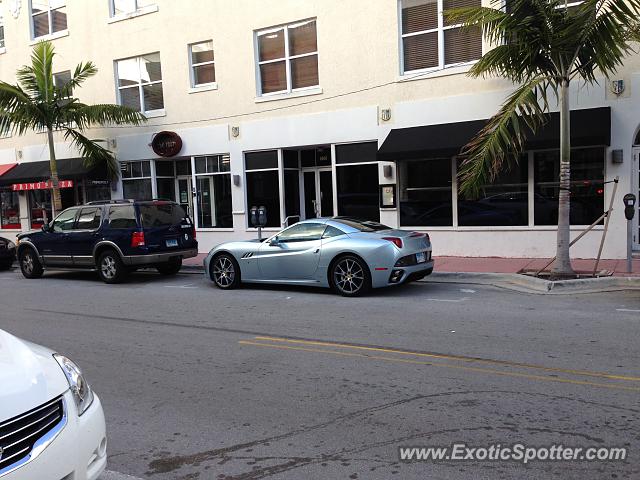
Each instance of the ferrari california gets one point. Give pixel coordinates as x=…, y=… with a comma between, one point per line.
x=348, y=255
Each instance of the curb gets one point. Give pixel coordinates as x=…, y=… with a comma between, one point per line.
x=526, y=284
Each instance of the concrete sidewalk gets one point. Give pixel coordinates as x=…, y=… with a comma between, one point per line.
x=495, y=265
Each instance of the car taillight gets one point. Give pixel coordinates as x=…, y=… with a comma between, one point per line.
x=395, y=240
x=194, y=232
x=137, y=239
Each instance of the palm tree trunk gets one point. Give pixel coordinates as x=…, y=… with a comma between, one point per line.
x=53, y=167
x=562, y=266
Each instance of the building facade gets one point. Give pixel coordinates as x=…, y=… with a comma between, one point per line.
x=312, y=108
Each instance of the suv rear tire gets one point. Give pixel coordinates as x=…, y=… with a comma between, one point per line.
x=171, y=267
x=30, y=263
x=110, y=267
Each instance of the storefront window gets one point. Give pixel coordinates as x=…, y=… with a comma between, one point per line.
x=40, y=207
x=425, y=192
x=213, y=190
x=587, y=188
x=262, y=184
x=358, y=191
x=136, y=180
x=504, y=202
x=291, y=164
x=97, y=190
x=9, y=209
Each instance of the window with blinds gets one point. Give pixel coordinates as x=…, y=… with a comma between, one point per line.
x=430, y=41
x=287, y=58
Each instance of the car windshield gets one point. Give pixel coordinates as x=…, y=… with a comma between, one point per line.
x=161, y=214
x=362, y=225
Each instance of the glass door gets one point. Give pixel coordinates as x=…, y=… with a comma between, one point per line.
x=318, y=193
x=310, y=194
x=185, y=198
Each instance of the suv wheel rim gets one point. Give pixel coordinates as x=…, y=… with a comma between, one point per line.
x=348, y=276
x=108, y=267
x=223, y=272
x=27, y=263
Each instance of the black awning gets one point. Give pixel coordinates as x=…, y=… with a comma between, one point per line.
x=68, y=169
x=589, y=127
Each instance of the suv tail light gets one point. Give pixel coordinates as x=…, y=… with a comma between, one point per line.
x=137, y=239
x=395, y=240
x=193, y=231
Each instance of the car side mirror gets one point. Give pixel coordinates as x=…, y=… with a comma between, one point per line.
x=46, y=228
x=274, y=241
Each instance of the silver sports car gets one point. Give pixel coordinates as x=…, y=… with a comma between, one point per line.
x=351, y=256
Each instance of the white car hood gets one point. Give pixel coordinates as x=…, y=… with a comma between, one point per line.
x=29, y=376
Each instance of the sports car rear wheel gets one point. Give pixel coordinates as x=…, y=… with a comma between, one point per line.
x=350, y=276
x=225, y=272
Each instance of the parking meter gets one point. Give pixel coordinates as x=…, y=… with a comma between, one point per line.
x=629, y=211
x=262, y=216
x=258, y=217
x=253, y=218
x=629, y=205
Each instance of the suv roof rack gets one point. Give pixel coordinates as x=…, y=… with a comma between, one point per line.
x=108, y=202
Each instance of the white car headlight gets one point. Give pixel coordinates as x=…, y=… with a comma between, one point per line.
x=78, y=385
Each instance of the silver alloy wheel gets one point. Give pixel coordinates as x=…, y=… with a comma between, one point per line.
x=223, y=271
x=108, y=267
x=348, y=276
x=27, y=263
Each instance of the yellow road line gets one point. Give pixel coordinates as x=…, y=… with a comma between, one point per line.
x=457, y=358
x=445, y=365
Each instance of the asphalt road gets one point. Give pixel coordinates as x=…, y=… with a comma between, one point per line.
x=284, y=383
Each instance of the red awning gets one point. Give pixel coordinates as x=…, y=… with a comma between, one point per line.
x=6, y=167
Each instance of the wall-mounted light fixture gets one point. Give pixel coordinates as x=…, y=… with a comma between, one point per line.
x=617, y=156
x=113, y=143
x=385, y=114
x=19, y=154
x=236, y=180
x=235, y=132
x=387, y=171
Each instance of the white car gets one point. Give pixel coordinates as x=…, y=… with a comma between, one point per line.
x=51, y=423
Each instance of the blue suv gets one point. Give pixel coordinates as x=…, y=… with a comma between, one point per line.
x=112, y=237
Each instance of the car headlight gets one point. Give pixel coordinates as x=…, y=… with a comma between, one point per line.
x=78, y=385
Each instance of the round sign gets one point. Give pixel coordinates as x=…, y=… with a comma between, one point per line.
x=166, y=144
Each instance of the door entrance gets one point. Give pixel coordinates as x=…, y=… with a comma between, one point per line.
x=636, y=183
x=318, y=192
x=185, y=198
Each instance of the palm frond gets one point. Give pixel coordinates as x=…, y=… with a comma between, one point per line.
x=503, y=138
x=92, y=152
x=105, y=114
x=37, y=79
x=82, y=72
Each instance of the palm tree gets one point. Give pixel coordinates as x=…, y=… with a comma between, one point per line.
x=542, y=46
x=37, y=103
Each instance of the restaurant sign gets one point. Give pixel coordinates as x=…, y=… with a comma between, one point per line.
x=166, y=144
x=19, y=187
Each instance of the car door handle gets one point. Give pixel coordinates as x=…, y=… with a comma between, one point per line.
x=317, y=250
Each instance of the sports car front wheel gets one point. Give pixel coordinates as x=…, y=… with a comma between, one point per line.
x=350, y=276
x=225, y=272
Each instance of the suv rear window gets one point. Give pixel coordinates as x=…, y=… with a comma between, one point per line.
x=122, y=217
x=161, y=214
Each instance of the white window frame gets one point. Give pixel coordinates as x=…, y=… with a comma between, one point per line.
x=440, y=29
x=51, y=35
x=136, y=12
x=287, y=59
x=192, y=70
x=148, y=113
